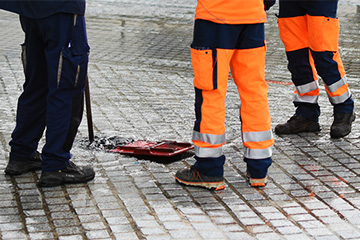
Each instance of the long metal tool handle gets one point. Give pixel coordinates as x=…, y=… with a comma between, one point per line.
x=88, y=111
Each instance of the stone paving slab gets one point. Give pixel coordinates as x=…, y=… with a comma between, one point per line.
x=141, y=88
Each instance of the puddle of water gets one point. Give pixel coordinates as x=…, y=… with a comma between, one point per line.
x=108, y=143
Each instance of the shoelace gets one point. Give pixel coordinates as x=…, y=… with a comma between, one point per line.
x=196, y=175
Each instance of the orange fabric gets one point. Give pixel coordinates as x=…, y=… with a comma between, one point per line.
x=203, y=66
x=207, y=145
x=315, y=32
x=340, y=91
x=248, y=71
x=294, y=33
x=213, y=107
x=231, y=11
x=323, y=33
x=340, y=64
x=260, y=145
x=315, y=92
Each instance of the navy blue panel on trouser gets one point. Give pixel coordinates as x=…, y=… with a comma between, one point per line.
x=209, y=35
x=299, y=65
x=302, y=73
x=257, y=170
x=295, y=8
x=55, y=56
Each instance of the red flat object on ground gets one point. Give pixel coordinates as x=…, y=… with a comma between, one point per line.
x=163, y=148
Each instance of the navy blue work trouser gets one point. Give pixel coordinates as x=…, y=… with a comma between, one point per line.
x=55, y=60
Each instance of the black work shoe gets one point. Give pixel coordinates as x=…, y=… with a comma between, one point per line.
x=192, y=177
x=19, y=167
x=70, y=174
x=341, y=125
x=297, y=124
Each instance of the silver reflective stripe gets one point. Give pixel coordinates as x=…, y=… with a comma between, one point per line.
x=258, y=153
x=305, y=98
x=209, y=138
x=335, y=86
x=340, y=99
x=208, y=152
x=59, y=69
x=257, y=136
x=307, y=87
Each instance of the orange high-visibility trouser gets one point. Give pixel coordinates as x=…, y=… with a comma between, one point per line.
x=310, y=32
x=211, y=71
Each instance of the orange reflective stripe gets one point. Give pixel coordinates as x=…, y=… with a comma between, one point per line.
x=339, y=92
x=259, y=145
x=294, y=33
x=206, y=145
x=315, y=92
x=323, y=33
x=231, y=12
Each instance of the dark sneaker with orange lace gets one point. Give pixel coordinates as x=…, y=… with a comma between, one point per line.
x=20, y=167
x=192, y=177
x=70, y=174
x=256, y=182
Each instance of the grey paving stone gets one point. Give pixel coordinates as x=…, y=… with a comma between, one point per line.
x=141, y=88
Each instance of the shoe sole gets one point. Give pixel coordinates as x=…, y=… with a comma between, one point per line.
x=19, y=172
x=209, y=185
x=257, y=182
x=314, y=129
x=50, y=183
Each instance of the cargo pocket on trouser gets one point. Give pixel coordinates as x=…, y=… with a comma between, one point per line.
x=204, y=62
x=72, y=76
x=323, y=33
x=73, y=68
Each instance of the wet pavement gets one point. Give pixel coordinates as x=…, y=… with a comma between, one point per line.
x=141, y=88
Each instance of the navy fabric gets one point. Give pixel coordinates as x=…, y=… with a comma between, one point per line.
x=212, y=167
x=198, y=104
x=299, y=66
x=268, y=4
x=215, y=66
x=327, y=70
x=308, y=110
x=228, y=36
x=41, y=9
x=345, y=107
x=258, y=168
x=295, y=8
x=48, y=100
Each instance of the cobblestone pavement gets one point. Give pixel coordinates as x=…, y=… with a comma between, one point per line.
x=141, y=88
